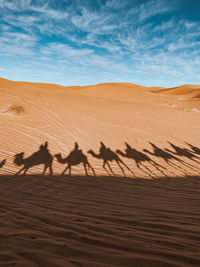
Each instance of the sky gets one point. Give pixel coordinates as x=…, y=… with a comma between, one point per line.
x=76, y=42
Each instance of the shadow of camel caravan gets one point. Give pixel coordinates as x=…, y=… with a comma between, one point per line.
x=40, y=157
x=75, y=157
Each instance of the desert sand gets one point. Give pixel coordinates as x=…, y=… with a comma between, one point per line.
x=140, y=210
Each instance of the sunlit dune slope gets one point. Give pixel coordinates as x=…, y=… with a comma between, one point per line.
x=32, y=113
x=186, y=90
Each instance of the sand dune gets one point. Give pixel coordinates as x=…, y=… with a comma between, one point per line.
x=180, y=90
x=148, y=134
x=187, y=90
x=32, y=113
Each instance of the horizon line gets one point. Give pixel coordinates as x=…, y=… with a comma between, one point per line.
x=103, y=83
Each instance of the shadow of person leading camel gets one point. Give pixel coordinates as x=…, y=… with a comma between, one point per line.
x=106, y=154
x=40, y=157
x=75, y=157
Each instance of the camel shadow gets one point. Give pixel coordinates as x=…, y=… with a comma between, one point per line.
x=40, y=157
x=143, y=161
x=169, y=158
x=183, y=152
x=75, y=157
x=140, y=159
x=106, y=154
x=194, y=150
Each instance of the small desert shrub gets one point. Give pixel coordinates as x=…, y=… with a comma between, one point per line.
x=13, y=108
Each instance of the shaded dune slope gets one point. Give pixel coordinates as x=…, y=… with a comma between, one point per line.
x=82, y=221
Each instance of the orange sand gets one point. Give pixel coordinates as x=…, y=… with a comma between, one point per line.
x=101, y=221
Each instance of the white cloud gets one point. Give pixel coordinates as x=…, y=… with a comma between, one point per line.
x=15, y=4
x=7, y=4
x=182, y=44
x=116, y=4
x=169, y=65
x=46, y=11
x=110, y=38
x=165, y=26
x=150, y=9
x=64, y=51
x=94, y=22
x=153, y=8
x=41, y=7
x=25, y=22
x=93, y=41
x=66, y=55
x=189, y=24
x=17, y=44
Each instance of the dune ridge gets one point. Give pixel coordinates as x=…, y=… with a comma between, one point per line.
x=192, y=91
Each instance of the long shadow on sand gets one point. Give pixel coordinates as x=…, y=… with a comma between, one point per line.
x=42, y=156
x=75, y=157
x=169, y=158
x=107, y=155
x=183, y=152
x=140, y=159
x=194, y=150
x=143, y=162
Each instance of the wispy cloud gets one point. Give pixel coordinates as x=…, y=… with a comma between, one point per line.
x=125, y=39
x=154, y=7
x=15, y=5
x=95, y=22
x=17, y=44
x=117, y=4
x=65, y=51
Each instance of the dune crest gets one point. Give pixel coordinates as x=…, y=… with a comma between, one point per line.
x=187, y=89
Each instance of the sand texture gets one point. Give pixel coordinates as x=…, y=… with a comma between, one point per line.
x=138, y=205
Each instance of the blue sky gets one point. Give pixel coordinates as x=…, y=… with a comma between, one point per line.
x=74, y=42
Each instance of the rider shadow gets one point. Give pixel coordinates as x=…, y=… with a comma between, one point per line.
x=168, y=158
x=75, y=157
x=40, y=157
x=140, y=158
x=183, y=152
x=107, y=155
